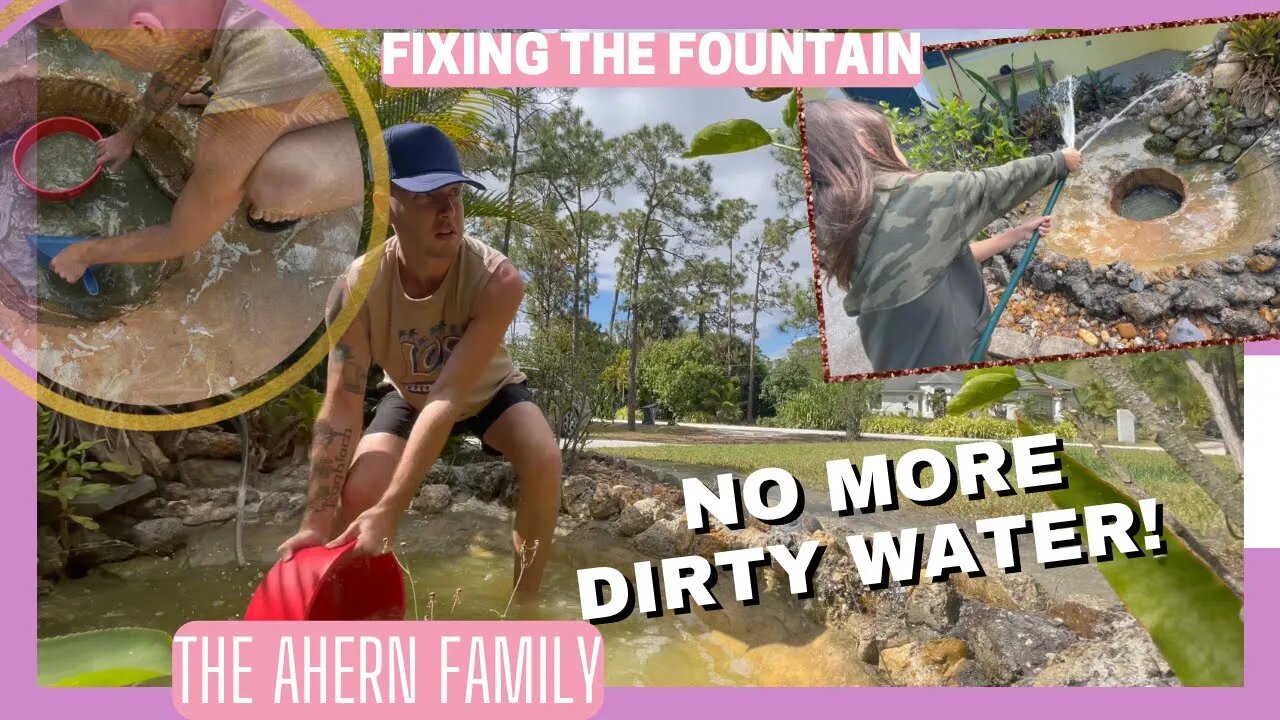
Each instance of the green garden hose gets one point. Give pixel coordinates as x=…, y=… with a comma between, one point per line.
x=985, y=340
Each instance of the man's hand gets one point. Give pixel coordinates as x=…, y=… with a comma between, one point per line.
x=304, y=538
x=374, y=531
x=71, y=263
x=114, y=151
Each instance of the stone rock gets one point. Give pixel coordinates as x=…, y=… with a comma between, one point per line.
x=95, y=504
x=1054, y=345
x=1226, y=75
x=665, y=539
x=1244, y=290
x=1245, y=123
x=1261, y=263
x=1244, y=140
x=929, y=664
x=1184, y=331
x=1012, y=344
x=1127, y=331
x=1175, y=132
x=1045, y=280
x=1089, y=338
x=275, y=503
x=638, y=517
x=138, y=569
x=935, y=605
x=206, y=513
x=576, y=493
x=154, y=461
x=49, y=558
x=1017, y=591
x=1010, y=645
x=1124, y=658
x=442, y=473
x=203, y=473
x=1159, y=124
x=1241, y=323
x=1186, y=149
x=1270, y=247
x=1212, y=153
x=1272, y=108
x=148, y=508
x=486, y=481
x=161, y=536
x=1233, y=265
x=1081, y=617
x=1229, y=153
x=90, y=548
x=1158, y=144
x=210, y=444
x=175, y=491
x=605, y=503
x=1178, y=100
x=1196, y=296
x=1144, y=307
x=433, y=499
x=289, y=478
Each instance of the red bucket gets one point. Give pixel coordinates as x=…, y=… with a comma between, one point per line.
x=43, y=129
x=323, y=584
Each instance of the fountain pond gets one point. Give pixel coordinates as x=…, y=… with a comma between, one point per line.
x=1127, y=204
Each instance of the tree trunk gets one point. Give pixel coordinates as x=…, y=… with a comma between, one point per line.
x=751, y=349
x=634, y=343
x=511, y=182
x=577, y=291
x=1226, y=493
x=728, y=351
x=1221, y=412
x=613, y=311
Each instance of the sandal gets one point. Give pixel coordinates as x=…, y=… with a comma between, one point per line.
x=269, y=226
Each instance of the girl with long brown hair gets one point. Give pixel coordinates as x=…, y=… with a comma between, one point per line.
x=897, y=241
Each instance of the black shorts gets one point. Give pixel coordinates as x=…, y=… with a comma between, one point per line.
x=395, y=415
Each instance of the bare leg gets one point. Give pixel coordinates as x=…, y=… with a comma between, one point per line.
x=308, y=172
x=376, y=458
x=524, y=437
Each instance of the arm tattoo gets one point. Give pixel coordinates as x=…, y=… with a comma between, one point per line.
x=353, y=381
x=330, y=462
x=163, y=92
x=341, y=357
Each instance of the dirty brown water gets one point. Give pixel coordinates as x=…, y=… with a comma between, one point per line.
x=770, y=644
x=1217, y=217
x=116, y=203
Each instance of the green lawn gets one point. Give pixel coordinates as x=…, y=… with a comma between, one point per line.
x=1154, y=471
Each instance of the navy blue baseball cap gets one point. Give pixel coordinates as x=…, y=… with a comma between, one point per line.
x=423, y=158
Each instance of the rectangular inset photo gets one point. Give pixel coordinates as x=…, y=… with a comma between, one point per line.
x=1033, y=197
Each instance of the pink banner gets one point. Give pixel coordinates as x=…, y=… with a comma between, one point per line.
x=330, y=670
x=649, y=59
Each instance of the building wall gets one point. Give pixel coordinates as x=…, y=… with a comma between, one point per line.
x=1070, y=56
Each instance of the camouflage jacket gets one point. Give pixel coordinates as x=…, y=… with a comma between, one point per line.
x=919, y=224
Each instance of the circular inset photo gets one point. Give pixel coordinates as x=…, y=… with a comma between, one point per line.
x=179, y=189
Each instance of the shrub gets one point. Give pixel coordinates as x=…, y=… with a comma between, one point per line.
x=892, y=425
x=954, y=136
x=834, y=406
x=983, y=428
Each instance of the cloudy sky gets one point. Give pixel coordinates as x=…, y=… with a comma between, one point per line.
x=745, y=175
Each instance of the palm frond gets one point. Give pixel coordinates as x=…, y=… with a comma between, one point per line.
x=495, y=205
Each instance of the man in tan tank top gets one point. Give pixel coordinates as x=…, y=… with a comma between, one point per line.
x=434, y=321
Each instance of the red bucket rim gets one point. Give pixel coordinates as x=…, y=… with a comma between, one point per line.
x=43, y=129
x=326, y=566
